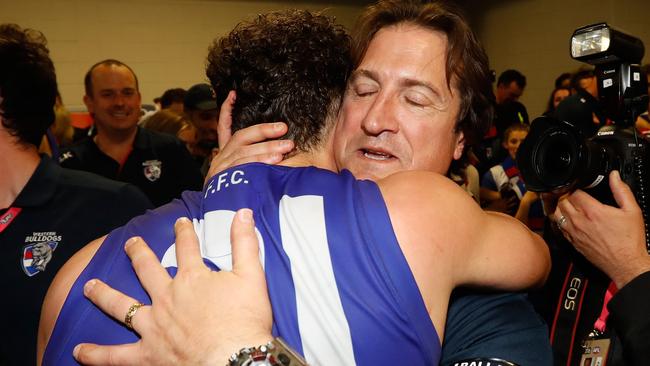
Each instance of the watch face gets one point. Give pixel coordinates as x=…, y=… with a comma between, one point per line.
x=262, y=363
x=257, y=356
x=274, y=353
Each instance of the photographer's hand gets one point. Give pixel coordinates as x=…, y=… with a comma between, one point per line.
x=611, y=238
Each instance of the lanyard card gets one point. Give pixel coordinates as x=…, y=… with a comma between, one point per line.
x=595, y=352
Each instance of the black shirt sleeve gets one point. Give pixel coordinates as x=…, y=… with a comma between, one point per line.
x=630, y=318
x=503, y=326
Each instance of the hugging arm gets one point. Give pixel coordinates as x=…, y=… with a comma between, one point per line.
x=200, y=316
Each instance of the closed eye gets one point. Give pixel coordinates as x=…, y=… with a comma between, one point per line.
x=364, y=90
x=417, y=99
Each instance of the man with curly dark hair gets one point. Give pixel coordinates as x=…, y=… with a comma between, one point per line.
x=235, y=61
x=356, y=273
x=46, y=213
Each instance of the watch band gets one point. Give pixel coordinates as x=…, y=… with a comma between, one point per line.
x=485, y=362
x=274, y=353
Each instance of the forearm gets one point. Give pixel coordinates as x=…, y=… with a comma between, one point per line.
x=524, y=256
x=488, y=195
x=522, y=212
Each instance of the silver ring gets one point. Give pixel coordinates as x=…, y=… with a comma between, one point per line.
x=561, y=221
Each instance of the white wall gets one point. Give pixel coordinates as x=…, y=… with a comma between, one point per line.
x=533, y=37
x=164, y=41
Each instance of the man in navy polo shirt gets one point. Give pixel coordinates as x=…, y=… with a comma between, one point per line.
x=158, y=164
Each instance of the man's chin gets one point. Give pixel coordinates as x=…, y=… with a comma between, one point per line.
x=375, y=171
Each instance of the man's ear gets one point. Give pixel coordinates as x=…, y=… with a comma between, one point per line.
x=88, y=101
x=460, y=145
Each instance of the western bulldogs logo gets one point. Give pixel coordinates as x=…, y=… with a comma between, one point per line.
x=36, y=257
x=152, y=169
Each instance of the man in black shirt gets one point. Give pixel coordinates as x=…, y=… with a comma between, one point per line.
x=507, y=111
x=202, y=111
x=46, y=213
x=159, y=165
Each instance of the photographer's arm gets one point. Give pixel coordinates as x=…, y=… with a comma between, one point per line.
x=629, y=317
x=613, y=239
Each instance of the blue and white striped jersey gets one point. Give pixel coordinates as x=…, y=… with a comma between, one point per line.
x=341, y=290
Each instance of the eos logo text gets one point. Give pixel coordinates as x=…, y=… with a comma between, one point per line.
x=572, y=293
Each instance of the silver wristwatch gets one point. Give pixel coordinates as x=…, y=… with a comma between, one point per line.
x=274, y=353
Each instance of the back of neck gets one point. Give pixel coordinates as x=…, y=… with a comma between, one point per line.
x=319, y=158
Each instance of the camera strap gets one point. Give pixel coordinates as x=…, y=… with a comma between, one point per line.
x=601, y=322
x=566, y=321
x=9, y=216
x=596, y=346
x=567, y=314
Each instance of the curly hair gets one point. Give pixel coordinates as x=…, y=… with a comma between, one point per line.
x=467, y=63
x=27, y=83
x=286, y=66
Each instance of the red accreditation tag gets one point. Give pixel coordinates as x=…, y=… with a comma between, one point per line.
x=8, y=217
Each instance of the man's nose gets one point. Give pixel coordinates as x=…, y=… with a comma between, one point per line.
x=119, y=100
x=381, y=117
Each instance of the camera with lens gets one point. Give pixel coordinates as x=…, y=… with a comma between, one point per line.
x=557, y=157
